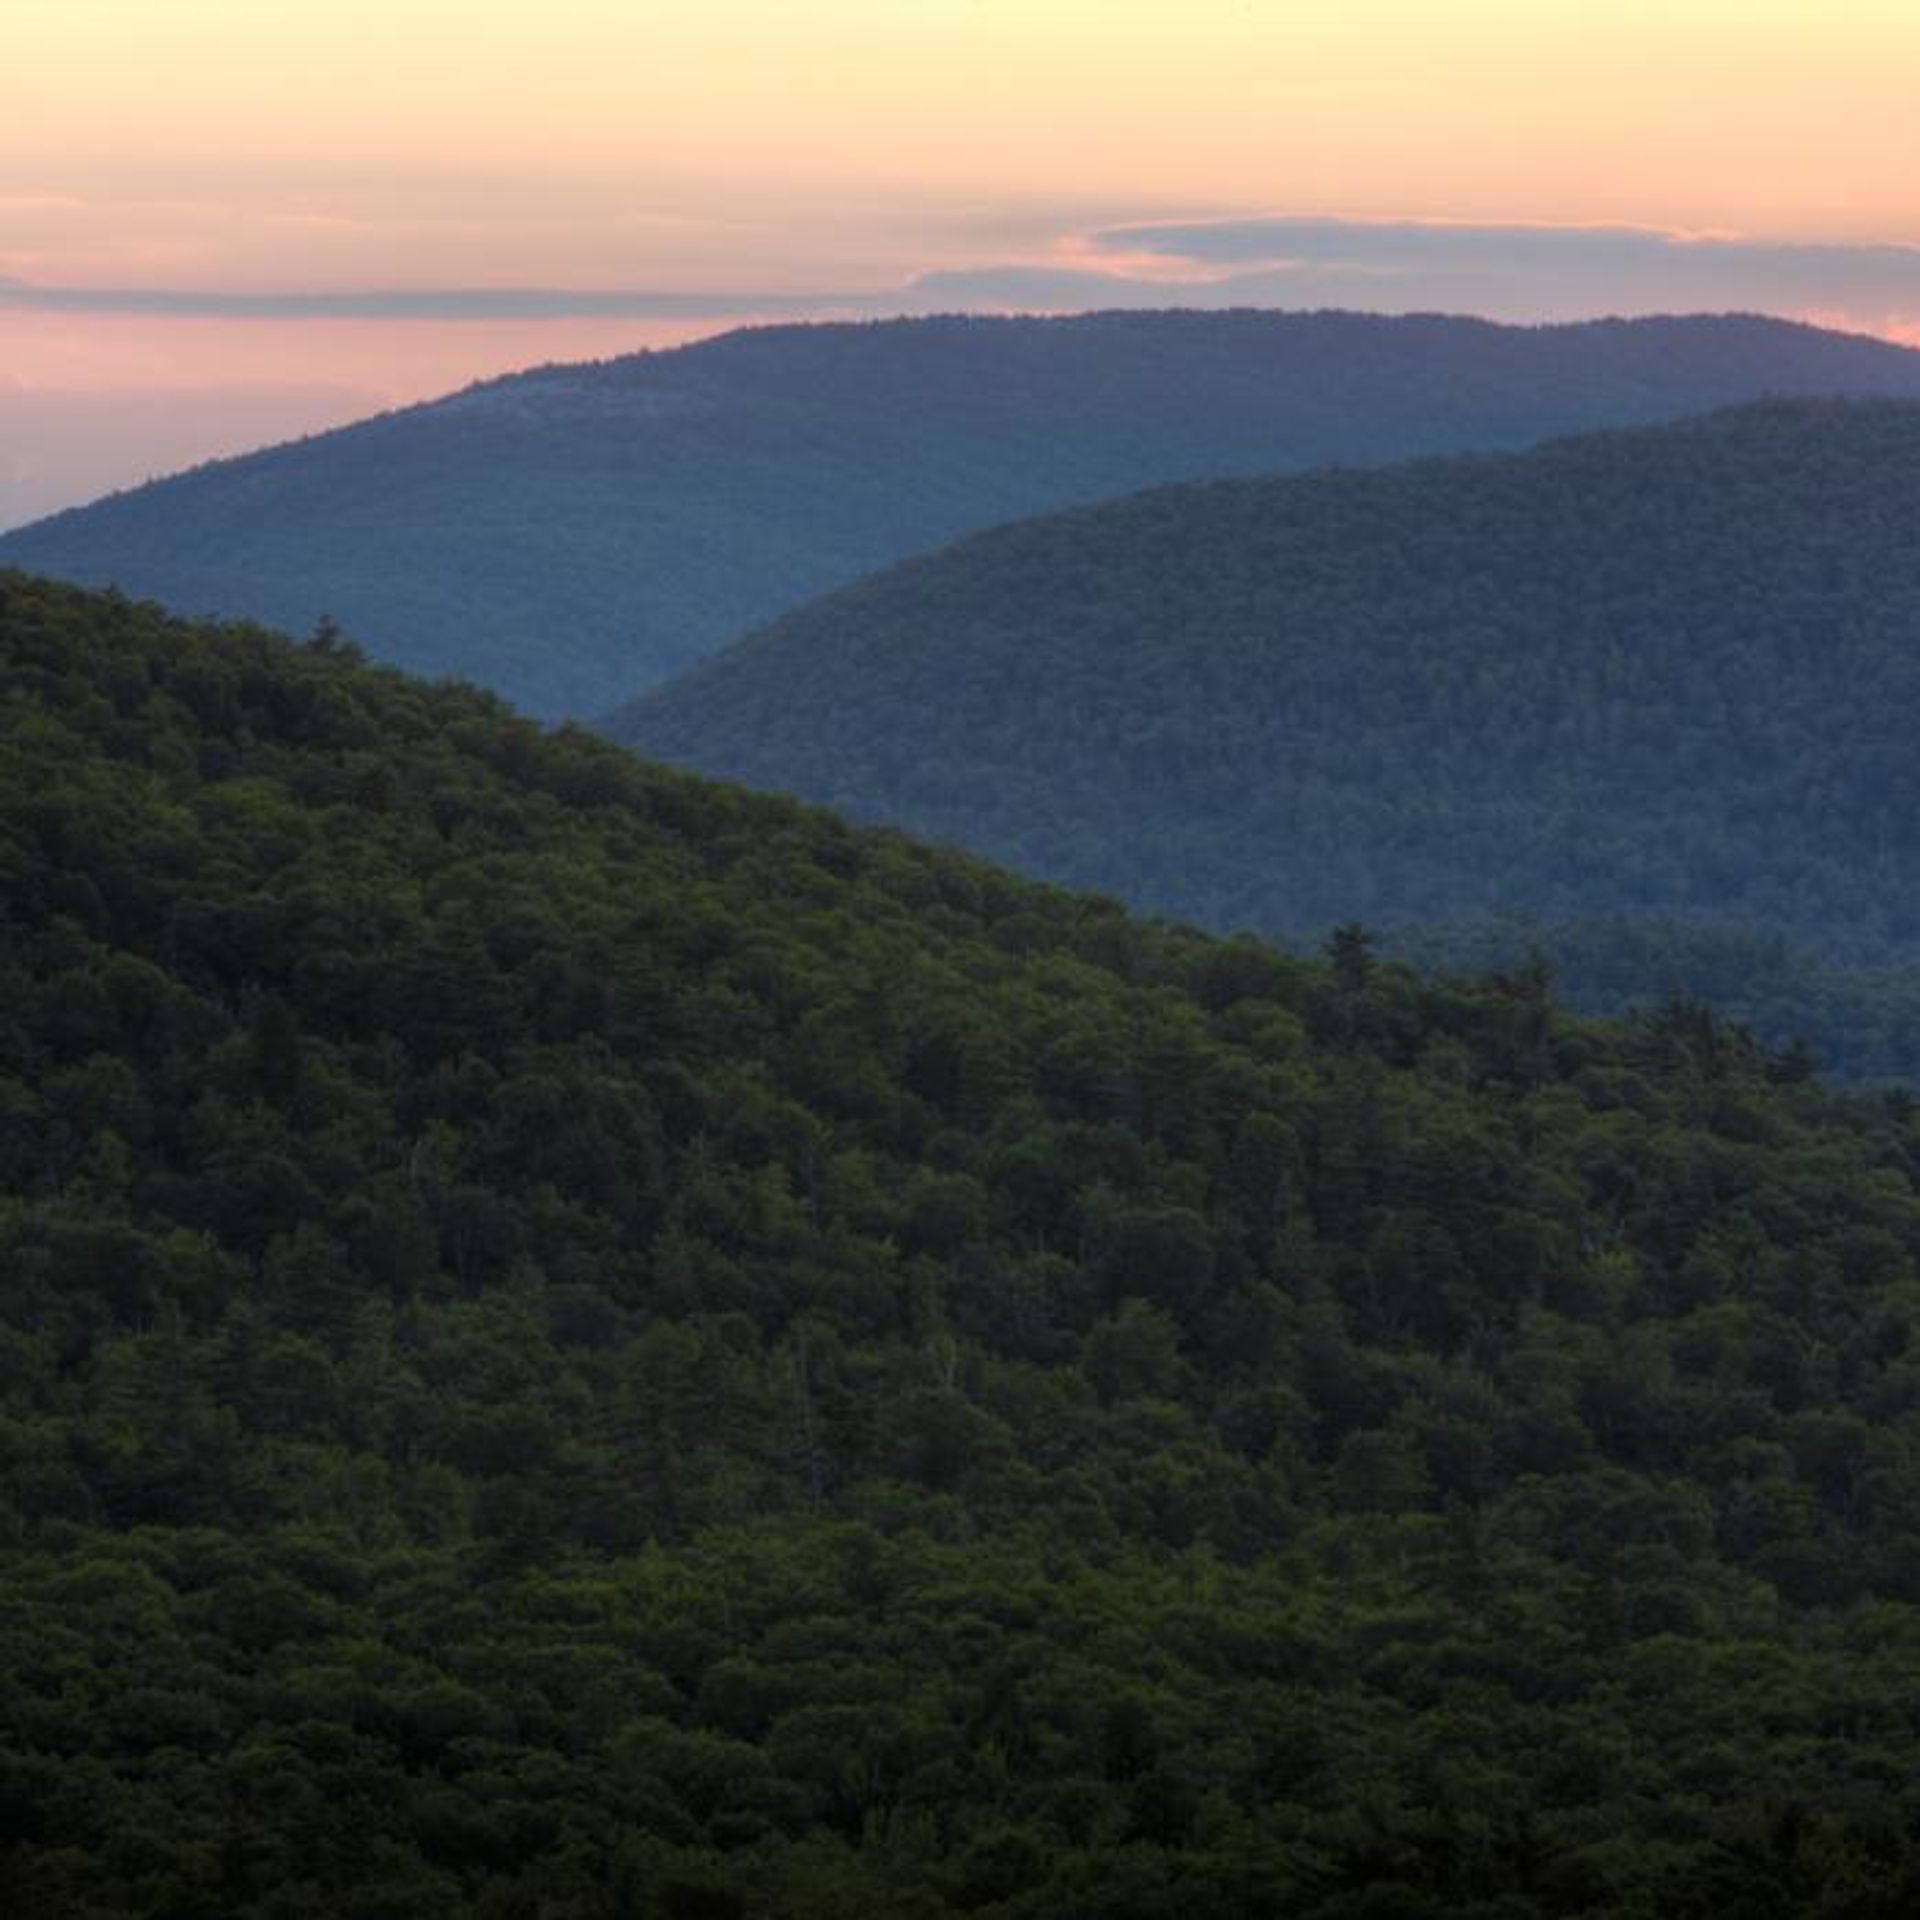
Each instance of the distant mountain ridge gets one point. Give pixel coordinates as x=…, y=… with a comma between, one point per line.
x=1667, y=672
x=574, y=534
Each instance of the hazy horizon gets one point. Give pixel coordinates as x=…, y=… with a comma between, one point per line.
x=64, y=447
x=222, y=225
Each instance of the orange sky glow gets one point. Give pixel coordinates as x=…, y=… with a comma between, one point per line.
x=740, y=159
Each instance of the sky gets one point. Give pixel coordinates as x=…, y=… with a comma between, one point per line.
x=224, y=222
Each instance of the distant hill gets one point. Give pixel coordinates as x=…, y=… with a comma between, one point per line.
x=1669, y=672
x=579, y=1342
x=571, y=535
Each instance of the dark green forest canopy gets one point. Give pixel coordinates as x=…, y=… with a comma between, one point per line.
x=571, y=535
x=1671, y=673
x=1861, y=1023
x=577, y=1342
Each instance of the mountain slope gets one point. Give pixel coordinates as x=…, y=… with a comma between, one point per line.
x=1670, y=671
x=573, y=1341
x=571, y=535
x=1861, y=1023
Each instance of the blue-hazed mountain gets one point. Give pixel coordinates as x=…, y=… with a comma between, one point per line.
x=572, y=535
x=1673, y=671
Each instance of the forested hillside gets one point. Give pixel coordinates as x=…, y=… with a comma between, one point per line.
x=579, y=1342
x=571, y=535
x=1861, y=1023
x=1668, y=673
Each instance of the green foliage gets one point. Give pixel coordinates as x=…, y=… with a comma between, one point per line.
x=1858, y=1023
x=578, y=1342
x=571, y=535
x=1616, y=687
